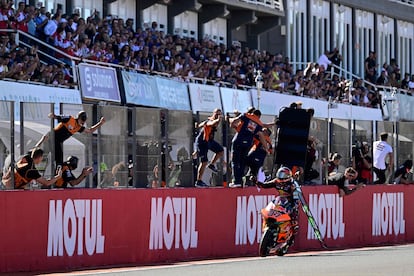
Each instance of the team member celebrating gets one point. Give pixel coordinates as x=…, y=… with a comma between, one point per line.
x=67, y=175
x=26, y=171
x=204, y=142
x=67, y=126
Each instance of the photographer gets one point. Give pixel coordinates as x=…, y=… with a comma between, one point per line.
x=343, y=181
x=362, y=162
x=333, y=164
x=401, y=175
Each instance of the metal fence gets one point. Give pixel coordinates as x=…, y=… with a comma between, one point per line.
x=141, y=147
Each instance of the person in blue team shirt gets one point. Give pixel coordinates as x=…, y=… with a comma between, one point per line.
x=247, y=125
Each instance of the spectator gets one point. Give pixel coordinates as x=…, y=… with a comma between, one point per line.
x=25, y=171
x=31, y=24
x=362, y=162
x=393, y=68
x=343, y=180
x=370, y=67
x=405, y=81
x=51, y=27
x=401, y=174
x=274, y=82
x=383, y=78
x=68, y=125
x=411, y=84
x=22, y=17
x=336, y=59
x=324, y=60
x=4, y=16
x=120, y=174
x=382, y=150
x=67, y=175
x=41, y=21
x=393, y=81
x=204, y=142
x=311, y=157
x=373, y=100
x=180, y=58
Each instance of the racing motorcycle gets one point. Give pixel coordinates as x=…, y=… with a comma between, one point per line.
x=278, y=230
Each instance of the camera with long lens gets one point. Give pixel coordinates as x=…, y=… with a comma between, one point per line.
x=357, y=149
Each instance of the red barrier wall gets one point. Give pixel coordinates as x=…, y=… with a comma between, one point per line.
x=50, y=230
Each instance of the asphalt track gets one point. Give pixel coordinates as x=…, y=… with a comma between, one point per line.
x=390, y=260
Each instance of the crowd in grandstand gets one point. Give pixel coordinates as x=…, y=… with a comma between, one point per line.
x=116, y=41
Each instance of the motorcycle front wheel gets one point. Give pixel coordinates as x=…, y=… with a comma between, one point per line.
x=267, y=242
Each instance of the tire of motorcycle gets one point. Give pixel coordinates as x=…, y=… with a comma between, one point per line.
x=267, y=242
x=282, y=251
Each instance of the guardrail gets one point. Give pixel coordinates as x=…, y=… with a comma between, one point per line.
x=404, y=2
x=274, y=4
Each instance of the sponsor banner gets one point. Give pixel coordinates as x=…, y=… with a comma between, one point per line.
x=173, y=94
x=204, y=98
x=99, y=83
x=77, y=228
x=140, y=89
x=234, y=99
x=29, y=93
x=153, y=91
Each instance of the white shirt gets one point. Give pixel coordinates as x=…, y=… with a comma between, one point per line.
x=324, y=61
x=380, y=152
x=50, y=27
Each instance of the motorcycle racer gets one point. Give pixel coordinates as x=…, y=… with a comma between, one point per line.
x=287, y=195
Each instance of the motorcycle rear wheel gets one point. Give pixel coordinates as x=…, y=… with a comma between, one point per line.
x=267, y=242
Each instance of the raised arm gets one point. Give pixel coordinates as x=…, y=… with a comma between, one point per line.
x=96, y=126
x=43, y=139
x=234, y=122
x=85, y=172
x=49, y=182
x=263, y=141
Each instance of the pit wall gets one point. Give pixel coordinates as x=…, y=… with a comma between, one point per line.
x=57, y=230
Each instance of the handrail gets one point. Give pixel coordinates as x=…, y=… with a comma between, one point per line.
x=19, y=41
x=395, y=90
x=342, y=72
x=404, y=2
x=333, y=66
x=66, y=55
x=102, y=63
x=274, y=4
